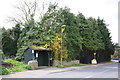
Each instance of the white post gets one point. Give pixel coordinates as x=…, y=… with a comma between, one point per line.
x=33, y=54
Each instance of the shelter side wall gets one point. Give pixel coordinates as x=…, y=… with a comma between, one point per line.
x=28, y=56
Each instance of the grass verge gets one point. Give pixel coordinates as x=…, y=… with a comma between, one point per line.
x=105, y=62
x=73, y=65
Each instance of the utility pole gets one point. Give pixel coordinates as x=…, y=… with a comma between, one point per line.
x=62, y=30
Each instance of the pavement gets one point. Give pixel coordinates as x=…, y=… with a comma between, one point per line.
x=50, y=70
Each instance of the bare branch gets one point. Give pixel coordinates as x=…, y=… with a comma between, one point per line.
x=28, y=11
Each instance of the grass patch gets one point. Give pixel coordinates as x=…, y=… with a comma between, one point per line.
x=60, y=66
x=78, y=65
x=19, y=66
x=73, y=65
x=105, y=62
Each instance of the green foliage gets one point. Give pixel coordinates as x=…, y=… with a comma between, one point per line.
x=73, y=65
x=74, y=40
x=1, y=55
x=19, y=66
x=58, y=48
x=7, y=44
x=19, y=55
x=60, y=66
x=9, y=40
x=28, y=67
x=42, y=32
x=106, y=39
x=17, y=63
x=15, y=69
x=4, y=71
x=0, y=38
x=93, y=38
x=77, y=65
x=13, y=62
x=83, y=35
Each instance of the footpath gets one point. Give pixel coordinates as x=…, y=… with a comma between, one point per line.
x=50, y=70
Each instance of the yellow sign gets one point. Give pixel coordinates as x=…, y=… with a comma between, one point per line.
x=94, y=61
x=63, y=29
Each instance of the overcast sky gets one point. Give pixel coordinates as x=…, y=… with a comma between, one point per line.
x=105, y=9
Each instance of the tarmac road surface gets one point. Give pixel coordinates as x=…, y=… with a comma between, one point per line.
x=103, y=71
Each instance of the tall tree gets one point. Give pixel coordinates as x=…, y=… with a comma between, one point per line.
x=72, y=33
x=95, y=42
x=42, y=31
x=7, y=47
x=27, y=13
x=9, y=40
x=83, y=36
x=0, y=38
x=106, y=38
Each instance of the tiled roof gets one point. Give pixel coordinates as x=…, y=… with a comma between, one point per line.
x=38, y=48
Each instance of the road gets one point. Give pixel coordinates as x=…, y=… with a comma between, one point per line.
x=103, y=71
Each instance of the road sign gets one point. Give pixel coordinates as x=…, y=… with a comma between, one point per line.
x=94, y=61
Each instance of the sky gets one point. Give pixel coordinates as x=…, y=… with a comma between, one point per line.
x=105, y=9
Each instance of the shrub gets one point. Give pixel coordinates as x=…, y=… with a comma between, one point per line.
x=4, y=71
x=28, y=67
x=19, y=55
x=19, y=66
x=15, y=69
x=17, y=63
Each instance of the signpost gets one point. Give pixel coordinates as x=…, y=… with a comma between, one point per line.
x=94, y=61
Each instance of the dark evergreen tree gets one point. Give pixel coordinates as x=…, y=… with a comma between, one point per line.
x=9, y=40
x=109, y=47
